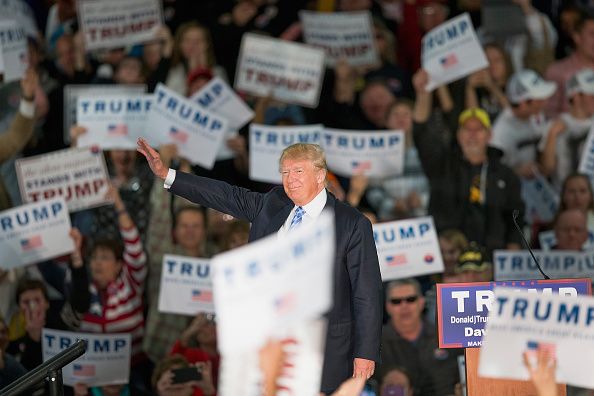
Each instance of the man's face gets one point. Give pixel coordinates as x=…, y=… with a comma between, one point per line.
x=584, y=40
x=431, y=16
x=375, y=102
x=586, y=102
x=105, y=267
x=189, y=229
x=571, y=230
x=473, y=137
x=404, y=305
x=577, y=194
x=302, y=181
x=32, y=302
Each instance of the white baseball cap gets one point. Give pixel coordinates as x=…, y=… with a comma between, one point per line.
x=580, y=82
x=527, y=84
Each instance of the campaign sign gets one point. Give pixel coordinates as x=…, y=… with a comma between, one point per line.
x=113, y=121
x=21, y=12
x=273, y=284
x=115, y=23
x=268, y=142
x=289, y=71
x=186, y=286
x=586, y=165
x=463, y=308
x=407, y=248
x=451, y=51
x=106, y=361
x=547, y=240
x=13, y=44
x=522, y=322
x=342, y=35
x=372, y=153
x=34, y=232
x=196, y=132
x=514, y=265
x=540, y=198
x=78, y=175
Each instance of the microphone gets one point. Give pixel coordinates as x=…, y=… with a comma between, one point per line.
x=515, y=217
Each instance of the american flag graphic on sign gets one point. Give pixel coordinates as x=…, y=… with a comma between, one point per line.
x=117, y=129
x=83, y=370
x=201, y=295
x=284, y=303
x=31, y=243
x=398, y=259
x=448, y=61
x=547, y=347
x=178, y=135
x=360, y=166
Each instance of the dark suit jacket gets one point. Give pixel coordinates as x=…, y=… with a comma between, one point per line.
x=355, y=321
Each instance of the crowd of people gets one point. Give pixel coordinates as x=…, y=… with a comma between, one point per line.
x=470, y=146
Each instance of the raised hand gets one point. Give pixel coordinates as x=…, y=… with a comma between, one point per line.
x=153, y=158
x=29, y=84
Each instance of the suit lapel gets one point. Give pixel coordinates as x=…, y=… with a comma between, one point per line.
x=279, y=219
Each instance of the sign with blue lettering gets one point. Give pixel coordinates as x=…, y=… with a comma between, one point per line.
x=342, y=35
x=463, y=308
x=451, y=51
x=372, y=153
x=587, y=159
x=273, y=285
x=106, y=361
x=196, y=132
x=407, y=248
x=268, y=142
x=540, y=198
x=34, y=232
x=186, y=285
x=113, y=121
x=288, y=71
x=547, y=240
x=514, y=265
x=14, y=56
x=525, y=323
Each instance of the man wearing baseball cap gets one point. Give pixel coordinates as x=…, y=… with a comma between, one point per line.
x=519, y=129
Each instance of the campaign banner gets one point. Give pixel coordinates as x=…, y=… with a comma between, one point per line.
x=34, y=232
x=106, y=361
x=540, y=198
x=273, y=284
x=451, y=51
x=525, y=323
x=288, y=71
x=407, y=248
x=519, y=265
x=547, y=240
x=463, y=308
x=303, y=351
x=115, y=23
x=186, y=286
x=267, y=144
x=342, y=35
x=372, y=153
x=196, y=132
x=586, y=165
x=14, y=58
x=113, y=121
x=21, y=12
x=77, y=175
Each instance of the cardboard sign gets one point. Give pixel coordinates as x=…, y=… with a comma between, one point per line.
x=186, y=286
x=274, y=284
x=407, y=248
x=197, y=133
x=78, y=175
x=451, y=51
x=115, y=23
x=106, y=361
x=113, y=121
x=463, y=308
x=19, y=11
x=540, y=198
x=510, y=265
x=547, y=240
x=290, y=72
x=373, y=153
x=342, y=35
x=13, y=44
x=523, y=322
x=267, y=144
x=34, y=232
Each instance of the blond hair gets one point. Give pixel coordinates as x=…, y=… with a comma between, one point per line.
x=305, y=151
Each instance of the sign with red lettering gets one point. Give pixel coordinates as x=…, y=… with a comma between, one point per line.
x=288, y=71
x=116, y=23
x=77, y=175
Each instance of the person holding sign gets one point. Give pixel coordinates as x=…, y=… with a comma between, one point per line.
x=354, y=323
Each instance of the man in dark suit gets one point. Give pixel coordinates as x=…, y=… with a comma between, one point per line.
x=354, y=322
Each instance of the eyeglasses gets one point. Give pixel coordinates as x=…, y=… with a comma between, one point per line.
x=409, y=299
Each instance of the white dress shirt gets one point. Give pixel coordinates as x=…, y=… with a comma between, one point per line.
x=312, y=212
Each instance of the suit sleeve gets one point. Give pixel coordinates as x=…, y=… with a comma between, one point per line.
x=366, y=285
x=239, y=202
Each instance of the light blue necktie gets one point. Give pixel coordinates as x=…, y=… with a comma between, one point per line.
x=297, y=218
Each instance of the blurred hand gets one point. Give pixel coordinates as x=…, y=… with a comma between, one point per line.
x=420, y=80
x=165, y=384
x=153, y=158
x=29, y=84
x=363, y=368
x=557, y=127
x=206, y=384
x=271, y=363
x=76, y=131
x=526, y=170
x=481, y=78
x=77, y=239
x=542, y=374
x=243, y=12
x=342, y=70
x=350, y=387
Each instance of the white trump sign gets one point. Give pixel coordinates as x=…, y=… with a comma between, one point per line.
x=372, y=153
x=197, y=133
x=14, y=58
x=273, y=284
x=558, y=264
x=268, y=142
x=115, y=23
x=186, y=286
x=451, y=51
x=523, y=322
x=290, y=72
x=407, y=248
x=34, y=232
x=586, y=165
x=21, y=12
x=547, y=240
x=77, y=175
x=540, y=198
x=342, y=35
x=106, y=361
